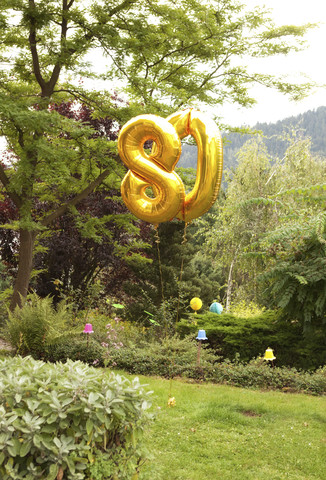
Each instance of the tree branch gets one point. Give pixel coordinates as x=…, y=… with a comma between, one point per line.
x=57, y=67
x=6, y=183
x=32, y=43
x=122, y=6
x=74, y=201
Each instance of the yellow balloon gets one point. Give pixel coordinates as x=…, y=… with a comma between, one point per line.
x=209, y=161
x=196, y=303
x=153, y=170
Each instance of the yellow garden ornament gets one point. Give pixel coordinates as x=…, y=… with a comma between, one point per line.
x=171, y=402
x=156, y=170
x=269, y=355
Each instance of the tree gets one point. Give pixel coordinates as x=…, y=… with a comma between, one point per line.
x=241, y=220
x=71, y=262
x=296, y=277
x=166, y=54
x=294, y=250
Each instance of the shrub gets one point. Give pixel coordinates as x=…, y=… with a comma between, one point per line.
x=175, y=357
x=258, y=374
x=168, y=358
x=31, y=328
x=249, y=336
x=68, y=421
x=75, y=347
x=124, y=331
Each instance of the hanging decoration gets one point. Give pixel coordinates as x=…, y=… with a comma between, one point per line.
x=269, y=355
x=151, y=189
x=216, y=307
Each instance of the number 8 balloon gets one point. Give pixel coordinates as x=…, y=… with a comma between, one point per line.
x=156, y=169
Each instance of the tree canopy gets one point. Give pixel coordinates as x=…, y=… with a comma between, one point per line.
x=164, y=55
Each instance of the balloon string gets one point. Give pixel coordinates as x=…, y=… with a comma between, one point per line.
x=157, y=241
x=172, y=354
x=184, y=241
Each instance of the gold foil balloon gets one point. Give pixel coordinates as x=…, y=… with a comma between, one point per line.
x=209, y=161
x=156, y=169
x=151, y=170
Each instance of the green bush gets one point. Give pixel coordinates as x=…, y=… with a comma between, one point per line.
x=232, y=335
x=258, y=374
x=69, y=422
x=175, y=357
x=31, y=328
x=168, y=358
x=76, y=347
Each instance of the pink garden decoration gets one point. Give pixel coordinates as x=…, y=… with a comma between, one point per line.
x=88, y=328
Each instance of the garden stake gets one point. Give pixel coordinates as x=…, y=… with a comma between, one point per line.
x=201, y=336
x=198, y=353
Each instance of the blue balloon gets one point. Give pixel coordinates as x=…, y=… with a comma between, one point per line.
x=216, y=308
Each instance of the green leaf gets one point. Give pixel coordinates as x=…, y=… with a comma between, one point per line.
x=18, y=397
x=25, y=448
x=53, y=472
x=89, y=426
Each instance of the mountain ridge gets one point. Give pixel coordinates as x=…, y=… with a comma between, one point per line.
x=310, y=124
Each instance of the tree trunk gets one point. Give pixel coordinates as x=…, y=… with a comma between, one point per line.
x=25, y=265
x=229, y=287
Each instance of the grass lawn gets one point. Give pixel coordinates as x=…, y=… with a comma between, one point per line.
x=228, y=433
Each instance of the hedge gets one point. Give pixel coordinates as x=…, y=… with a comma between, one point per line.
x=248, y=337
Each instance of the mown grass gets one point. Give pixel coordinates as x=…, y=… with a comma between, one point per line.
x=229, y=433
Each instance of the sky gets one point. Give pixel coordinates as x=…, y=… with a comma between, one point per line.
x=272, y=106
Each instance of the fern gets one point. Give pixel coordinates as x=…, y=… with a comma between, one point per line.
x=31, y=328
x=295, y=279
x=321, y=228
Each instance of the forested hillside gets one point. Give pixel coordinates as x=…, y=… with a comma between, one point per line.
x=311, y=124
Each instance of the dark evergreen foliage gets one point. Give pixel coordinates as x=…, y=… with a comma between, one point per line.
x=77, y=259
x=246, y=338
x=177, y=273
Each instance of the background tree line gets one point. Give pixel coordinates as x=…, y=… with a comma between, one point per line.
x=311, y=124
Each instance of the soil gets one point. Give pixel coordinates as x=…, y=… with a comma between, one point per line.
x=4, y=345
x=250, y=413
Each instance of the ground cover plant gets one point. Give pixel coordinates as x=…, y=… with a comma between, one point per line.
x=233, y=433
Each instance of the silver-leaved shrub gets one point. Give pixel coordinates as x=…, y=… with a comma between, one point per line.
x=69, y=421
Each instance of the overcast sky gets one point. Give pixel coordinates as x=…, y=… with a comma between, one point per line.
x=272, y=106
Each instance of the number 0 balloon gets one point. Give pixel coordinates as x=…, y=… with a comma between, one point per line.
x=155, y=170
